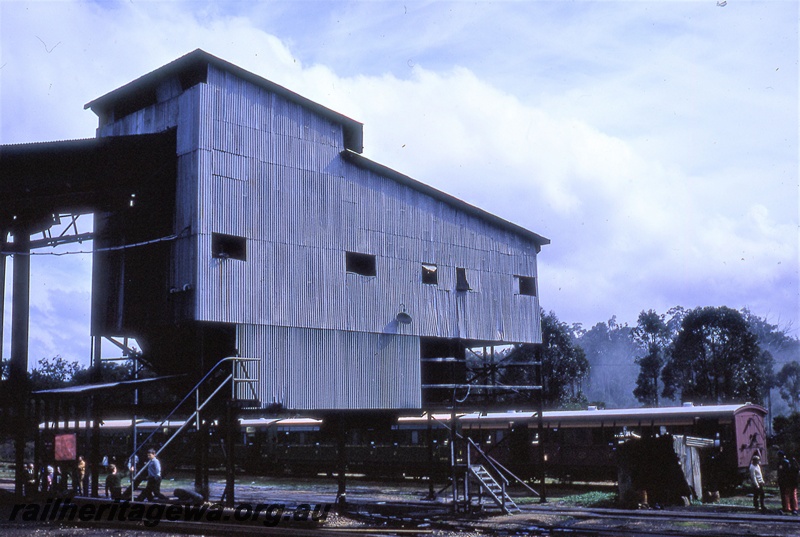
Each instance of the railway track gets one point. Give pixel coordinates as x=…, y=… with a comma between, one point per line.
x=407, y=518
x=579, y=522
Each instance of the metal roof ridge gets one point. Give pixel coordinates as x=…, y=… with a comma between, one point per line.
x=354, y=130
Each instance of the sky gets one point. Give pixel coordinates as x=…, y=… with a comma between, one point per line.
x=655, y=143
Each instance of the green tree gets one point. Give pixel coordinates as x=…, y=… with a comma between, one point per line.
x=110, y=372
x=788, y=382
x=610, y=351
x=715, y=358
x=53, y=373
x=787, y=433
x=564, y=364
x=564, y=367
x=674, y=319
x=783, y=347
x=652, y=334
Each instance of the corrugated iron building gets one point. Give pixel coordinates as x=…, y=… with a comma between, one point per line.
x=339, y=274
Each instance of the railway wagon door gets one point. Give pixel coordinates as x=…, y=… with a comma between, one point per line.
x=751, y=438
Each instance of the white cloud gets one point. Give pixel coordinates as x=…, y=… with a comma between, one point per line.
x=654, y=143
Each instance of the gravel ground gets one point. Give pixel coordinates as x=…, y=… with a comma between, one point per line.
x=534, y=521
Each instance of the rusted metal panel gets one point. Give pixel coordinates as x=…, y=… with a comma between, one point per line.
x=329, y=369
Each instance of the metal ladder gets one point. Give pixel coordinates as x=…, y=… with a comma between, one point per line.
x=487, y=482
x=496, y=490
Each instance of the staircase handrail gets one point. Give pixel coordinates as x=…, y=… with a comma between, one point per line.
x=509, y=472
x=491, y=459
x=180, y=404
x=488, y=459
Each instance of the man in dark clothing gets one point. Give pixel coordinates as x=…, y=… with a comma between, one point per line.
x=29, y=487
x=113, y=483
x=153, y=488
x=787, y=482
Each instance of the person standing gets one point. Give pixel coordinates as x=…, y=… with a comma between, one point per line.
x=153, y=488
x=79, y=477
x=48, y=483
x=113, y=483
x=757, y=479
x=29, y=487
x=787, y=483
x=59, y=480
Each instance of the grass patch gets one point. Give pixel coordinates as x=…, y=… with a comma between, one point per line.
x=694, y=525
x=589, y=499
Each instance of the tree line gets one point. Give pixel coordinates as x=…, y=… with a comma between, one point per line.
x=706, y=355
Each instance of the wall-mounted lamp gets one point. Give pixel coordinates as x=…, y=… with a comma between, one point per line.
x=403, y=317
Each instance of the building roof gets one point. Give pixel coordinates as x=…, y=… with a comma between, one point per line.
x=684, y=412
x=454, y=202
x=85, y=389
x=191, y=69
x=43, y=179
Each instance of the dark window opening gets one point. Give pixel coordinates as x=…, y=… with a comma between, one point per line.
x=443, y=362
x=228, y=247
x=527, y=285
x=429, y=274
x=461, y=280
x=363, y=264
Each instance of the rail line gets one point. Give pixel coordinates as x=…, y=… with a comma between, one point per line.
x=377, y=518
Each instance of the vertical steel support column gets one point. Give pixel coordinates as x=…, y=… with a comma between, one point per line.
x=18, y=371
x=97, y=376
x=2, y=289
x=38, y=451
x=540, y=424
x=201, y=456
x=453, y=452
x=131, y=463
x=341, y=461
x=205, y=445
x=431, y=492
x=230, y=442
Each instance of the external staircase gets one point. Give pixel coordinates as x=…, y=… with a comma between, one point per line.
x=243, y=390
x=495, y=490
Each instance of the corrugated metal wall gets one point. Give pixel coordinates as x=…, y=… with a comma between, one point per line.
x=256, y=165
x=310, y=369
x=272, y=172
